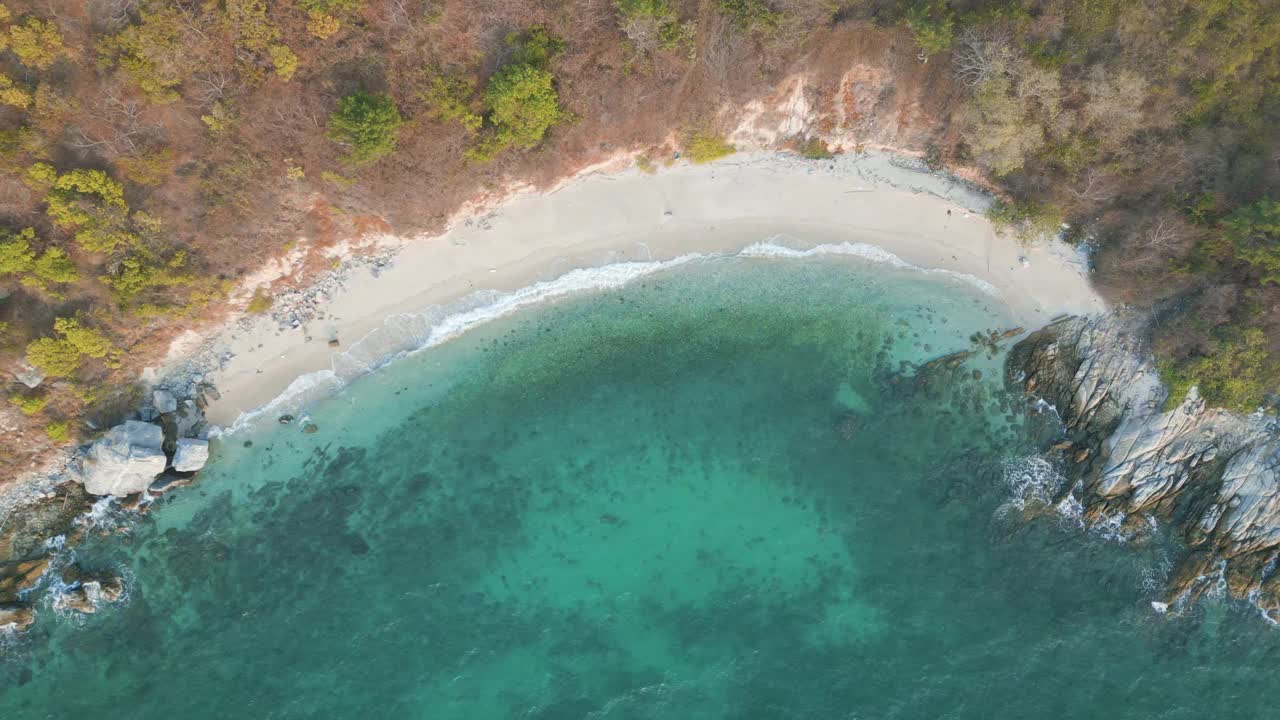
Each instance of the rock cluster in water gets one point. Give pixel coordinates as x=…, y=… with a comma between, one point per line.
x=132, y=462
x=1214, y=475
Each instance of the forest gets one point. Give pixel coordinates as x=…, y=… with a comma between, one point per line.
x=155, y=152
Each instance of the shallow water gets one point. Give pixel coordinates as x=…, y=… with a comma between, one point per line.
x=717, y=492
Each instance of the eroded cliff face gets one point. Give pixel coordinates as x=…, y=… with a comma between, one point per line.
x=1213, y=474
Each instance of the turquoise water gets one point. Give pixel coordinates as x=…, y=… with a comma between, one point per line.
x=718, y=492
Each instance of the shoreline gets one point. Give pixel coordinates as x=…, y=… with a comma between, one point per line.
x=598, y=219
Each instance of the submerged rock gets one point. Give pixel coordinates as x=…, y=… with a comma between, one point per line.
x=190, y=455
x=15, y=616
x=125, y=460
x=1219, y=470
x=17, y=577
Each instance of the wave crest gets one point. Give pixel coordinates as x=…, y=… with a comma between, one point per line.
x=407, y=333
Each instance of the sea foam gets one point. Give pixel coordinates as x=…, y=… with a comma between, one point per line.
x=406, y=333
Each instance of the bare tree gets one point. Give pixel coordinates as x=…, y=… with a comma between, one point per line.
x=1094, y=186
x=210, y=87
x=1163, y=233
x=126, y=130
x=113, y=15
x=979, y=55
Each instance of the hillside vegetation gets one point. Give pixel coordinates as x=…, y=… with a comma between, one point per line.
x=153, y=153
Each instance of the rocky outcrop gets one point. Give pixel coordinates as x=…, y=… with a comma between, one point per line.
x=1214, y=474
x=85, y=592
x=125, y=460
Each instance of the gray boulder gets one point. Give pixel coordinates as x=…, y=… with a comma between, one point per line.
x=164, y=401
x=191, y=455
x=125, y=460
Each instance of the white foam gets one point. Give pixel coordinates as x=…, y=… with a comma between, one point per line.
x=407, y=333
x=872, y=253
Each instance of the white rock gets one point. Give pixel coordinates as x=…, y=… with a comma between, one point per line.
x=125, y=460
x=164, y=401
x=191, y=455
x=29, y=376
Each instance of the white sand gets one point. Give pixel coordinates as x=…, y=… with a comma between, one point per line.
x=602, y=219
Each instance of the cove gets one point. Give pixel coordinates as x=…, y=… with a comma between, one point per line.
x=733, y=489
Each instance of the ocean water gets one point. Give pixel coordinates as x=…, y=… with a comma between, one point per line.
x=723, y=490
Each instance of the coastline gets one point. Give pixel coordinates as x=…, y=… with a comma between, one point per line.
x=599, y=219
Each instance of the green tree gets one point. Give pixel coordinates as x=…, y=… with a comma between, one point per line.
x=56, y=267
x=521, y=98
x=62, y=356
x=152, y=54
x=932, y=26
x=1236, y=373
x=37, y=43
x=92, y=204
x=1254, y=231
x=367, y=124
x=16, y=255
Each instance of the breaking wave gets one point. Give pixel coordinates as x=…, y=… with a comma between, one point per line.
x=407, y=333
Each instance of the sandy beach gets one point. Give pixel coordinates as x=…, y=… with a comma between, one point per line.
x=603, y=219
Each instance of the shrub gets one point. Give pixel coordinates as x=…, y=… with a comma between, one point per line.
x=137, y=274
x=12, y=94
x=259, y=303
x=284, y=61
x=703, y=147
x=341, y=181
x=816, y=149
x=1030, y=220
x=652, y=24
x=37, y=43
x=322, y=25
x=1254, y=232
x=932, y=26
x=450, y=100
x=331, y=6
x=40, y=176
x=148, y=168
x=58, y=431
x=535, y=47
x=29, y=404
x=752, y=15
x=367, y=124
